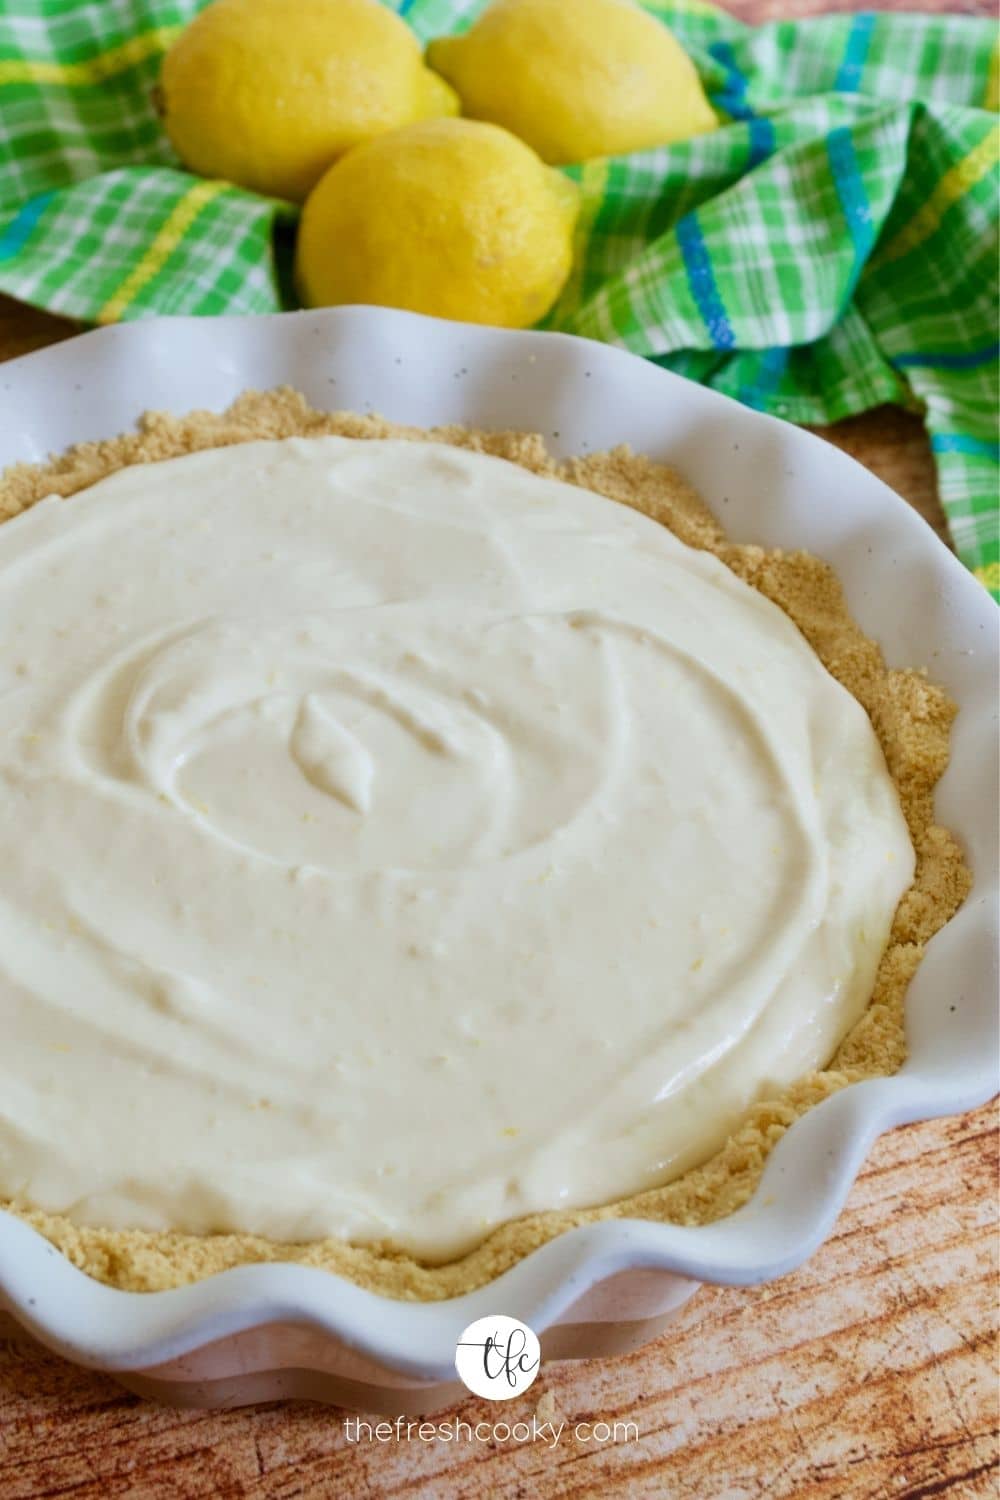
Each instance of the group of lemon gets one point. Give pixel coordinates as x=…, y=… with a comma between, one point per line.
x=407, y=205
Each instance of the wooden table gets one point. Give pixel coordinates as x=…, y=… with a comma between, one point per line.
x=870, y=1372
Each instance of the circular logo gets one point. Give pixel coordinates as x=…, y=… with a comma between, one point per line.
x=497, y=1357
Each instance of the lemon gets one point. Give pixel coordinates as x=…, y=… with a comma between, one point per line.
x=595, y=78
x=449, y=217
x=267, y=93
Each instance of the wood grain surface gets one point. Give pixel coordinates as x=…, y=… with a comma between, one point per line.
x=869, y=1373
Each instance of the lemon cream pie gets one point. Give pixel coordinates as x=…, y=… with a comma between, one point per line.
x=399, y=844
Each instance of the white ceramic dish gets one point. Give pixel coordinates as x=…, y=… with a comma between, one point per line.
x=260, y=1332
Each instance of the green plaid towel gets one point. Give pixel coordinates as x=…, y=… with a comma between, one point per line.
x=833, y=247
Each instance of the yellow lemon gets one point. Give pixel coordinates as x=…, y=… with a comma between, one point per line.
x=449, y=217
x=591, y=78
x=267, y=93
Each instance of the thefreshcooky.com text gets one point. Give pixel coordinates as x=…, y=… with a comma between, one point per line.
x=457, y=1430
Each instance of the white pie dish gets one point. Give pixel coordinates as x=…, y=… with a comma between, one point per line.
x=260, y=1332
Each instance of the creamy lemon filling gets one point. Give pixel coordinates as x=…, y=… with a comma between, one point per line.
x=395, y=843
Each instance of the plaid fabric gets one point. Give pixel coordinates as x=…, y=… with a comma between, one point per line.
x=832, y=247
